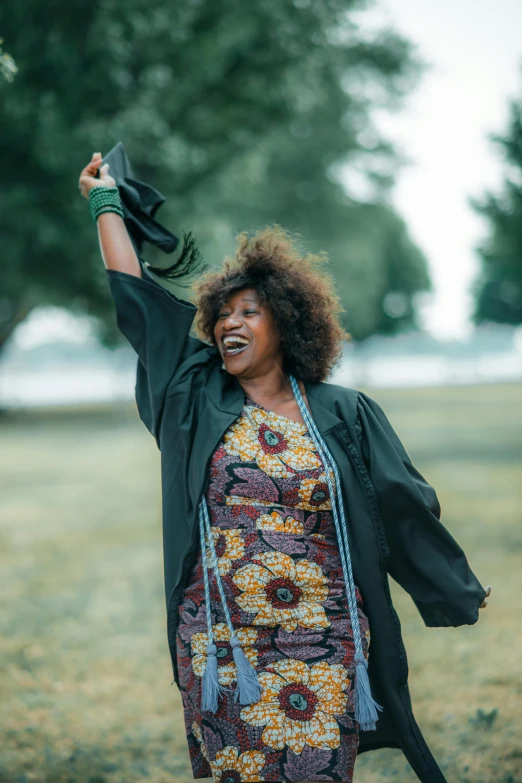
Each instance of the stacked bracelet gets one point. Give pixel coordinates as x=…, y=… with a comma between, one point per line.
x=103, y=199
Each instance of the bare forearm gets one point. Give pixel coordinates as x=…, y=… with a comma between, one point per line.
x=116, y=247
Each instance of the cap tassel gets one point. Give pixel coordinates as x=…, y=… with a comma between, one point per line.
x=365, y=706
x=210, y=687
x=248, y=689
x=189, y=263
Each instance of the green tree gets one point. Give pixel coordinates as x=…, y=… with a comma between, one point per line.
x=295, y=177
x=498, y=287
x=240, y=113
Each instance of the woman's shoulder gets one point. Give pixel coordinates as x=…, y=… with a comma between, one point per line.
x=341, y=400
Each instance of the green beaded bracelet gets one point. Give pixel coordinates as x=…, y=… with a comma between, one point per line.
x=103, y=199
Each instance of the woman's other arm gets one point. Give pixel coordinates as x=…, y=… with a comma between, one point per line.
x=116, y=248
x=423, y=556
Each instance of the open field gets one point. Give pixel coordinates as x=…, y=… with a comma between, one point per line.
x=85, y=679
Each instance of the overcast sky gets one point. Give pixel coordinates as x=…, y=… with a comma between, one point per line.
x=475, y=51
x=474, y=48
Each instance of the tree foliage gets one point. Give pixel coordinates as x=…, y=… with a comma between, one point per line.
x=498, y=288
x=240, y=113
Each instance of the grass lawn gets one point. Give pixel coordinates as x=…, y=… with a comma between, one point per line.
x=85, y=678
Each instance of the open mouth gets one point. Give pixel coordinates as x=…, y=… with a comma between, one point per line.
x=233, y=345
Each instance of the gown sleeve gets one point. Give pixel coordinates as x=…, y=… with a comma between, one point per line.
x=423, y=557
x=157, y=325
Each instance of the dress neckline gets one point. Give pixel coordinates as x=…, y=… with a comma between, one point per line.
x=249, y=401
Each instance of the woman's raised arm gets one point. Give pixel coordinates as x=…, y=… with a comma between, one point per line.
x=116, y=248
x=155, y=321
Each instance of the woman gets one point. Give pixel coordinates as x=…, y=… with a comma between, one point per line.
x=286, y=503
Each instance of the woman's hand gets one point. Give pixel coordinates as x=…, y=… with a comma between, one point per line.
x=88, y=179
x=484, y=602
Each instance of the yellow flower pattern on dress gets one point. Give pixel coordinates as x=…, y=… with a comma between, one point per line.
x=275, y=523
x=230, y=767
x=227, y=671
x=314, y=494
x=283, y=591
x=196, y=731
x=228, y=545
x=273, y=442
x=299, y=703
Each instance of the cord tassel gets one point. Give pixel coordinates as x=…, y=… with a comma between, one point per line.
x=210, y=687
x=211, y=690
x=365, y=706
x=248, y=689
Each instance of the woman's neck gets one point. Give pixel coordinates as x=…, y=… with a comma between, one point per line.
x=273, y=385
x=273, y=391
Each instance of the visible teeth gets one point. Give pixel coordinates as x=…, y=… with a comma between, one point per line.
x=233, y=339
x=230, y=351
x=233, y=344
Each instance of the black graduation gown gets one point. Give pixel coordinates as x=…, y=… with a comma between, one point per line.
x=187, y=401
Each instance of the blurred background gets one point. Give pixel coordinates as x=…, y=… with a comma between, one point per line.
x=388, y=133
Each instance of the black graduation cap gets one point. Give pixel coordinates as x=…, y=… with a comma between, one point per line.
x=140, y=203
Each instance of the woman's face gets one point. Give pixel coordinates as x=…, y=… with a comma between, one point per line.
x=247, y=336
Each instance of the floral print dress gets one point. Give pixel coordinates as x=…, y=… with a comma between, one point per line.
x=278, y=557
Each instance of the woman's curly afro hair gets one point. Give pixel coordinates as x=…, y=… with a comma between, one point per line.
x=298, y=290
